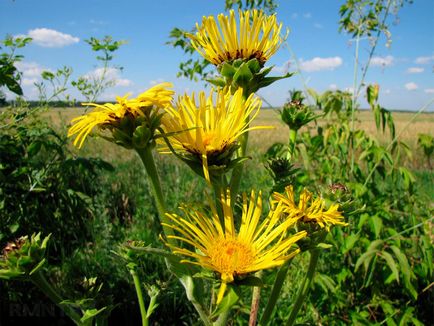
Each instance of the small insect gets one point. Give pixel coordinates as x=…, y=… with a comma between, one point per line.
x=338, y=186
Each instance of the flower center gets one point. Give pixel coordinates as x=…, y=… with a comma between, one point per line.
x=231, y=257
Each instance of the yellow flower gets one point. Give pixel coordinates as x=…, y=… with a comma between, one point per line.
x=218, y=247
x=309, y=210
x=212, y=126
x=258, y=36
x=109, y=115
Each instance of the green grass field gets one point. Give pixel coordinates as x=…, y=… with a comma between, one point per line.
x=260, y=140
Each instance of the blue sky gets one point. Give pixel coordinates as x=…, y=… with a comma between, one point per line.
x=404, y=71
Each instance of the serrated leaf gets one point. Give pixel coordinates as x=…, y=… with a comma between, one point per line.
x=377, y=225
x=391, y=263
x=365, y=259
x=374, y=244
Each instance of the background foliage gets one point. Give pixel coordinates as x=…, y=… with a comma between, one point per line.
x=378, y=271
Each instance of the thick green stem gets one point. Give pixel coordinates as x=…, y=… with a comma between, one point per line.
x=139, y=293
x=304, y=289
x=148, y=161
x=291, y=143
x=275, y=292
x=41, y=282
x=238, y=170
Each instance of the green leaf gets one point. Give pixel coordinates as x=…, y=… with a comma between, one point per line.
x=372, y=93
x=227, y=70
x=377, y=225
x=349, y=243
x=365, y=259
x=269, y=80
x=231, y=298
x=243, y=75
x=254, y=65
x=219, y=82
x=391, y=263
x=91, y=313
x=324, y=245
x=37, y=267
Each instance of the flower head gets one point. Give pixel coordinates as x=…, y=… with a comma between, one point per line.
x=111, y=115
x=309, y=210
x=211, y=126
x=220, y=248
x=255, y=36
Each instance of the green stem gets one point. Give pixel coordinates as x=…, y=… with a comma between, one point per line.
x=41, y=282
x=292, y=142
x=275, y=292
x=238, y=170
x=139, y=293
x=355, y=95
x=304, y=289
x=151, y=169
x=223, y=319
x=148, y=162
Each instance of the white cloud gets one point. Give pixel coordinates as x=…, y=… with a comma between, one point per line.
x=429, y=90
x=111, y=74
x=411, y=86
x=415, y=70
x=282, y=69
x=349, y=90
x=318, y=25
x=30, y=69
x=50, y=38
x=382, y=61
x=424, y=60
x=28, y=81
x=317, y=64
x=123, y=82
x=307, y=15
x=294, y=15
x=156, y=81
x=333, y=87
x=387, y=91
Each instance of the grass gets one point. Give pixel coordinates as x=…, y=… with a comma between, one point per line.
x=259, y=141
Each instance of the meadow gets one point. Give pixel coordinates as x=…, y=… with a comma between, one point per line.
x=326, y=218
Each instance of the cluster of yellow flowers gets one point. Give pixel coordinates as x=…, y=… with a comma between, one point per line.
x=204, y=126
